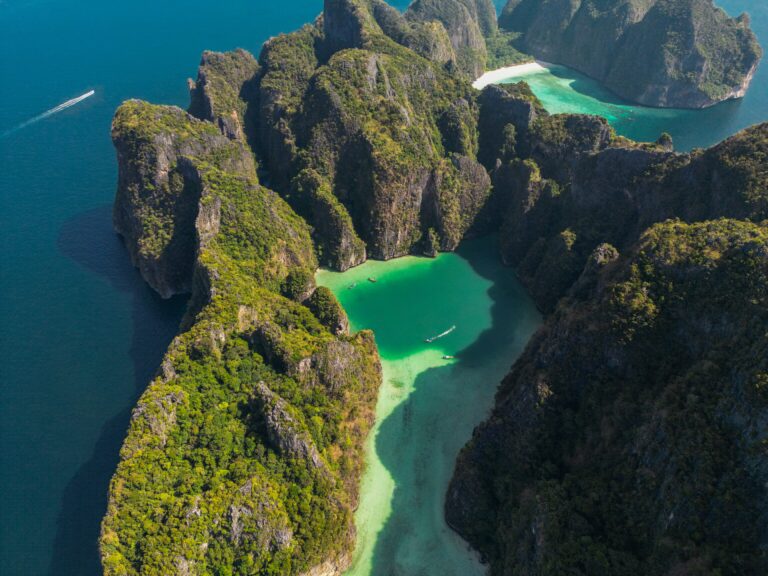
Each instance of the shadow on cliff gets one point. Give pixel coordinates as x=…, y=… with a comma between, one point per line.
x=89, y=240
x=418, y=442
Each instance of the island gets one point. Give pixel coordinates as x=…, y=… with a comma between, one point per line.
x=663, y=53
x=629, y=438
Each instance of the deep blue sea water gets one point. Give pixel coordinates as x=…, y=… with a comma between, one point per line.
x=80, y=334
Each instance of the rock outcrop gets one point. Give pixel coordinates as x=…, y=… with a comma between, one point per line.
x=155, y=208
x=668, y=53
x=577, y=186
x=361, y=127
x=246, y=449
x=630, y=436
x=224, y=91
x=467, y=23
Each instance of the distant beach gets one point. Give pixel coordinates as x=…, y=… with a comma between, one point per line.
x=495, y=76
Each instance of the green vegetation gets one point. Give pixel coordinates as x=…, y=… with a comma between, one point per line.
x=741, y=162
x=603, y=188
x=626, y=441
x=639, y=455
x=460, y=20
x=155, y=207
x=288, y=61
x=502, y=50
x=354, y=138
x=298, y=284
x=671, y=53
x=138, y=121
x=327, y=309
x=356, y=126
x=225, y=86
x=240, y=458
x=630, y=438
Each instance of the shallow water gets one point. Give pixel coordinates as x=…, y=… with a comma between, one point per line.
x=428, y=405
x=564, y=90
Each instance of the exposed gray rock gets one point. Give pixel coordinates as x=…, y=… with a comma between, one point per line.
x=283, y=431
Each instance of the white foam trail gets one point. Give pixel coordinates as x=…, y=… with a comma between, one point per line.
x=51, y=112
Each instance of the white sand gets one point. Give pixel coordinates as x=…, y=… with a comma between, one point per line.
x=495, y=76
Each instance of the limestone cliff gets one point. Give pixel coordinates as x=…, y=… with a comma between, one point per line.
x=245, y=452
x=573, y=185
x=154, y=209
x=467, y=23
x=668, y=53
x=223, y=92
x=630, y=436
x=359, y=124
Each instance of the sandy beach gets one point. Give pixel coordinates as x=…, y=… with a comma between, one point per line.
x=494, y=76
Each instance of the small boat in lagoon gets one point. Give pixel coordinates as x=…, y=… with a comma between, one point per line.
x=372, y=280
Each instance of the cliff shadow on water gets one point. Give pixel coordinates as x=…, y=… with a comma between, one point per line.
x=89, y=240
x=419, y=441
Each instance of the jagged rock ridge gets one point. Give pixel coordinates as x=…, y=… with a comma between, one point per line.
x=668, y=53
x=246, y=449
x=630, y=436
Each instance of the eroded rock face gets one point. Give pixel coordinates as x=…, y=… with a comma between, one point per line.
x=563, y=184
x=346, y=24
x=465, y=22
x=502, y=106
x=457, y=188
x=669, y=53
x=225, y=443
x=283, y=431
x=326, y=307
x=155, y=206
x=640, y=387
x=225, y=92
x=611, y=191
x=348, y=132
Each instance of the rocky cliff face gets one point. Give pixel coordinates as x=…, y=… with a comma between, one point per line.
x=370, y=141
x=669, y=53
x=573, y=185
x=226, y=86
x=630, y=437
x=245, y=452
x=467, y=23
x=155, y=208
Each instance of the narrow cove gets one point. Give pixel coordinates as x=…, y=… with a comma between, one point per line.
x=428, y=404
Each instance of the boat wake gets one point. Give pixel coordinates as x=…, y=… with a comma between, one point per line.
x=51, y=112
x=430, y=340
